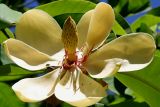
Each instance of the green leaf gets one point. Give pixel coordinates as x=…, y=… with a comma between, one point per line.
x=99, y=105
x=144, y=28
x=130, y=103
x=158, y=40
x=145, y=82
x=9, y=33
x=3, y=56
x=151, y=19
x=111, y=37
x=12, y=72
x=60, y=14
x=65, y=105
x=135, y=6
x=61, y=18
x=5, y=34
x=67, y=6
x=118, y=29
x=8, y=16
x=148, y=19
x=155, y=11
x=126, y=7
x=8, y=98
x=34, y=104
x=3, y=37
x=121, y=26
x=136, y=96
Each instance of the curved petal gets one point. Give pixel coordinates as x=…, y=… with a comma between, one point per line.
x=100, y=24
x=39, y=30
x=59, y=56
x=87, y=92
x=103, y=68
x=36, y=89
x=135, y=50
x=26, y=56
x=82, y=28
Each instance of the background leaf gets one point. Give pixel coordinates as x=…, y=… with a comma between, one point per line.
x=2, y=37
x=127, y=7
x=8, y=98
x=130, y=103
x=145, y=82
x=75, y=9
x=151, y=19
x=67, y=6
x=121, y=26
x=60, y=14
x=8, y=16
x=12, y=72
x=5, y=34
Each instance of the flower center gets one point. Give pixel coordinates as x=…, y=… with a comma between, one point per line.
x=71, y=64
x=73, y=57
x=70, y=41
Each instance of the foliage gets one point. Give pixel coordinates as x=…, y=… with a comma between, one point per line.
x=143, y=83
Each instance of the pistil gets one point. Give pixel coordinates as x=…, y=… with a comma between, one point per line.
x=70, y=40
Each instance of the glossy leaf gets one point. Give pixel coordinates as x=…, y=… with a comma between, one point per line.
x=151, y=18
x=67, y=6
x=130, y=103
x=61, y=14
x=155, y=11
x=135, y=6
x=117, y=28
x=61, y=18
x=145, y=28
x=121, y=26
x=148, y=19
x=12, y=72
x=158, y=40
x=8, y=16
x=4, y=58
x=8, y=98
x=5, y=34
x=145, y=82
x=126, y=7
x=2, y=37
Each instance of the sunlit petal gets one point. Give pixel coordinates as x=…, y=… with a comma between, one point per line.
x=136, y=51
x=103, y=68
x=26, y=56
x=88, y=91
x=82, y=28
x=100, y=25
x=36, y=89
x=39, y=30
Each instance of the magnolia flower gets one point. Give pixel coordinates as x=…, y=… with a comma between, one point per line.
x=39, y=44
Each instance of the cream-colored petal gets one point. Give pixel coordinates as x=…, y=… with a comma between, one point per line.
x=136, y=51
x=82, y=28
x=39, y=30
x=59, y=56
x=107, y=68
x=103, y=68
x=27, y=57
x=100, y=25
x=87, y=92
x=36, y=89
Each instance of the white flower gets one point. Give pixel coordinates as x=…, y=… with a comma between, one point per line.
x=39, y=43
